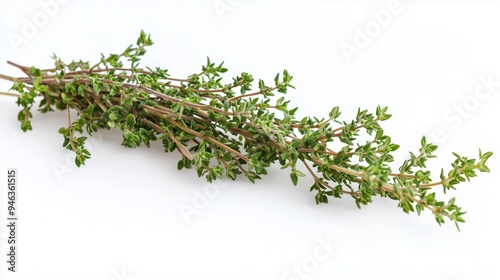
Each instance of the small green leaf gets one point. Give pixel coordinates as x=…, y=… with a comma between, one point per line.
x=130, y=120
x=486, y=156
x=113, y=116
x=423, y=142
x=35, y=71
x=180, y=164
x=96, y=86
x=128, y=135
x=295, y=178
x=334, y=113
x=484, y=168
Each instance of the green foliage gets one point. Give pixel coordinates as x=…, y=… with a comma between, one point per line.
x=227, y=129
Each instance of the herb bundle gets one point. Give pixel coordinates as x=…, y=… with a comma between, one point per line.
x=226, y=129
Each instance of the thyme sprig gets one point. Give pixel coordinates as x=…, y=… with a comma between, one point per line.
x=239, y=127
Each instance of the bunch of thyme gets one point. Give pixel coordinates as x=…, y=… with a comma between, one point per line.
x=233, y=128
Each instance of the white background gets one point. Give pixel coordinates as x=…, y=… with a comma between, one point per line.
x=119, y=218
